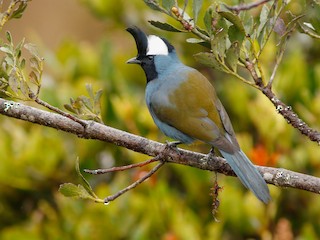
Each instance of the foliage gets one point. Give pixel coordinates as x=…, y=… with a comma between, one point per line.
x=174, y=204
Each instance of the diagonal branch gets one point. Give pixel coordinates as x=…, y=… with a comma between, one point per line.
x=283, y=109
x=275, y=176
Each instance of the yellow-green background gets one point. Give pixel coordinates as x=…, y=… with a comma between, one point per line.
x=86, y=42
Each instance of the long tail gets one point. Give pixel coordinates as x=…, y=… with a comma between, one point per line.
x=248, y=174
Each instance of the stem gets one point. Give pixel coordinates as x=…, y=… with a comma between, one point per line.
x=57, y=110
x=6, y=14
x=121, y=168
x=133, y=185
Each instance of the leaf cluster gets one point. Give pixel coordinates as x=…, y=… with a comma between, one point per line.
x=235, y=37
x=88, y=108
x=15, y=80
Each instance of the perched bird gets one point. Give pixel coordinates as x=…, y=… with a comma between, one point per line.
x=185, y=107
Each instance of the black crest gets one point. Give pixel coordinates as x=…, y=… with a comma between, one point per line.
x=140, y=38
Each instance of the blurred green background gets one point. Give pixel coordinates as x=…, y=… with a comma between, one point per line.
x=84, y=42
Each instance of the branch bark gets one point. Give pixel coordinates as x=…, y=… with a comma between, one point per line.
x=94, y=130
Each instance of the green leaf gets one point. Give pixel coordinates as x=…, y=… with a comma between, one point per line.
x=97, y=99
x=219, y=43
x=9, y=37
x=234, y=19
x=194, y=40
x=86, y=102
x=72, y=190
x=168, y=4
x=197, y=4
x=70, y=108
x=90, y=91
x=153, y=4
x=264, y=17
x=198, y=41
x=208, y=19
x=164, y=26
x=232, y=56
x=9, y=60
x=85, y=183
x=235, y=35
x=6, y=49
x=209, y=60
x=23, y=63
x=19, y=11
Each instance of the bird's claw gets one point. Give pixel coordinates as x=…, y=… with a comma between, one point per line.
x=173, y=146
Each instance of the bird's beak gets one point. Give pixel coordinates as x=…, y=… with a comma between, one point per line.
x=133, y=60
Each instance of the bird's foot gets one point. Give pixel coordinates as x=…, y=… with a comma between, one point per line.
x=172, y=146
x=212, y=152
x=207, y=157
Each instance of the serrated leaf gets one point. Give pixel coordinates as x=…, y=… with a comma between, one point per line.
x=234, y=19
x=164, y=26
x=232, y=56
x=197, y=4
x=75, y=191
x=209, y=60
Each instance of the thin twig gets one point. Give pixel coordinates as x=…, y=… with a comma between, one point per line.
x=278, y=61
x=244, y=7
x=251, y=68
x=57, y=110
x=7, y=14
x=121, y=168
x=135, y=184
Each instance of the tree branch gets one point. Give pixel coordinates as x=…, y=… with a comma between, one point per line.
x=94, y=130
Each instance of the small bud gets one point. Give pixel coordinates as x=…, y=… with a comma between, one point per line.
x=175, y=11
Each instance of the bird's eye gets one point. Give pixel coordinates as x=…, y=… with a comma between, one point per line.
x=150, y=57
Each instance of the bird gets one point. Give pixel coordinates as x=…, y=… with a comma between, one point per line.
x=185, y=107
